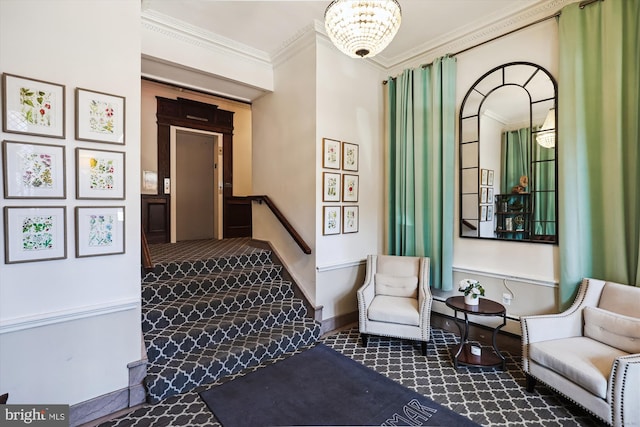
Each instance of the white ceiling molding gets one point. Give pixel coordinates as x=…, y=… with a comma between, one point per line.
x=305, y=37
x=458, y=41
x=452, y=42
x=177, y=75
x=180, y=30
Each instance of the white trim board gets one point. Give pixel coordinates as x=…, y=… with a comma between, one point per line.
x=50, y=318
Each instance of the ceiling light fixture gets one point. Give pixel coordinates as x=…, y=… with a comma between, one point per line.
x=362, y=28
x=546, y=136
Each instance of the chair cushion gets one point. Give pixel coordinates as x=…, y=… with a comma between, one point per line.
x=391, y=309
x=616, y=330
x=396, y=286
x=395, y=265
x=582, y=360
x=622, y=299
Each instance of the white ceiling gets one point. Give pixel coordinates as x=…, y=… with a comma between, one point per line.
x=269, y=26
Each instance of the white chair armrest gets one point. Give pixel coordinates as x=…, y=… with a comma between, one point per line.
x=562, y=325
x=367, y=291
x=624, y=391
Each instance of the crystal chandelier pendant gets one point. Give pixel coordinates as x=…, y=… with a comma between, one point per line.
x=362, y=28
x=546, y=137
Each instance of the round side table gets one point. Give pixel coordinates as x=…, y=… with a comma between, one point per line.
x=485, y=307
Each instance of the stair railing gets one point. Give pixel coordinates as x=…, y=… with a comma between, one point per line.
x=283, y=220
x=147, y=263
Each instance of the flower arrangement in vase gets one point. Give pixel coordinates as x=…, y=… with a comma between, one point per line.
x=472, y=290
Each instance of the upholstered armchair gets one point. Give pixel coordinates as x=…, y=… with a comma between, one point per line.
x=591, y=352
x=395, y=300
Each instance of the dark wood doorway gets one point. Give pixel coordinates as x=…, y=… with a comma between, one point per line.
x=190, y=114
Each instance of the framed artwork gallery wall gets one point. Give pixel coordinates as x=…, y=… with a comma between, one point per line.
x=38, y=212
x=340, y=187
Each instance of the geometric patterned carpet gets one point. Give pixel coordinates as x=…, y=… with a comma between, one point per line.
x=489, y=397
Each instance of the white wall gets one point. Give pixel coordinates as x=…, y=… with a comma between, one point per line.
x=531, y=270
x=69, y=327
x=284, y=155
x=241, y=131
x=349, y=108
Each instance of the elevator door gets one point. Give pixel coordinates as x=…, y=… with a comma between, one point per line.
x=195, y=192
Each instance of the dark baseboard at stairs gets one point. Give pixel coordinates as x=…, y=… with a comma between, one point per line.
x=210, y=318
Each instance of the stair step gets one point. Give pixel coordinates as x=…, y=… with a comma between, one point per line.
x=180, y=287
x=177, y=269
x=206, y=365
x=178, y=340
x=191, y=309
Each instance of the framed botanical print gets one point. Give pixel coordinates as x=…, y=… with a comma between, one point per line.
x=99, y=231
x=350, y=157
x=100, y=174
x=330, y=220
x=331, y=150
x=483, y=194
x=330, y=187
x=33, y=107
x=33, y=171
x=100, y=117
x=35, y=233
x=350, y=188
x=483, y=213
x=350, y=219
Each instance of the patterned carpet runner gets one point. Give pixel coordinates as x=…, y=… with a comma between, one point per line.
x=213, y=308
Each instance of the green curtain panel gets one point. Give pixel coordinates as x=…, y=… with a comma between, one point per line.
x=599, y=157
x=516, y=158
x=516, y=146
x=544, y=198
x=421, y=131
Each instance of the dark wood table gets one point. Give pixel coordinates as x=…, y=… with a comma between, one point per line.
x=485, y=307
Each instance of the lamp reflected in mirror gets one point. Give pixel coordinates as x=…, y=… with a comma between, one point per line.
x=546, y=137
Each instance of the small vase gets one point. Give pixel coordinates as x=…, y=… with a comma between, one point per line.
x=470, y=300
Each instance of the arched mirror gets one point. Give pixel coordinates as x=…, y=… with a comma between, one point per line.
x=508, y=152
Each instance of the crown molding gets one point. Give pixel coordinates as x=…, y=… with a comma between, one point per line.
x=302, y=39
x=470, y=36
x=190, y=34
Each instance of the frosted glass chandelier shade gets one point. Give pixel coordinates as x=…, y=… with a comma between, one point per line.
x=546, y=137
x=362, y=28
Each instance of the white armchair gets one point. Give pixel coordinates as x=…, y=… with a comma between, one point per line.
x=591, y=352
x=395, y=300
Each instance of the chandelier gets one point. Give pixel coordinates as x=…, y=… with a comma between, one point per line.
x=546, y=137
x=362, y=28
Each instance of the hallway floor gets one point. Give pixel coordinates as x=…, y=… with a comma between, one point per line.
x=489, y=397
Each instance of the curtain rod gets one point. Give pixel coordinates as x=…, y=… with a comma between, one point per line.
x=384, y=82
x=582, y=5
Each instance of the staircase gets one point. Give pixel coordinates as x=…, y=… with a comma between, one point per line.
x=212, y=315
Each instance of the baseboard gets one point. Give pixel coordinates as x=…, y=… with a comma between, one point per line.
x=338, y=322
x=111, y=403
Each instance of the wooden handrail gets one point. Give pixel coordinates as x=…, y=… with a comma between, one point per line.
x=292, y=231
x=468, y=224
x=147, y=263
